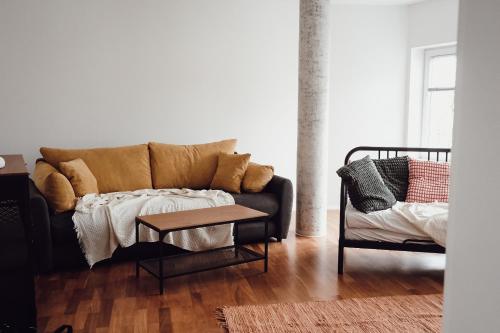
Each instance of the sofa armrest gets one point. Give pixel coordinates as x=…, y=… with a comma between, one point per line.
x=41, y=230
x=283, y=189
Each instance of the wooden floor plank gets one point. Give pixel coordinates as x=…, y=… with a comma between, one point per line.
x=109, y=298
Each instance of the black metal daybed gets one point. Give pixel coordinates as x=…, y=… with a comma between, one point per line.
x=435, y=154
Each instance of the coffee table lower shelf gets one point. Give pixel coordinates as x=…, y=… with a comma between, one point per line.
x=194, y=262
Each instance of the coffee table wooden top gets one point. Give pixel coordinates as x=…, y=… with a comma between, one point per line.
x=197, y=218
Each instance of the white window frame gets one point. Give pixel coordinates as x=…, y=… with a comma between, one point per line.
x=429, y=54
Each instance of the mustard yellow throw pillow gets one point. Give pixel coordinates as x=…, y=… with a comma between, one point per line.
x=191, y=166
x=55, y=187
x=116, y=169
x=230, y=171
x=81, y=178
x=257, y=177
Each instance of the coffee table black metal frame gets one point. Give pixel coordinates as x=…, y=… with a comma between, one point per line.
x=165, y=267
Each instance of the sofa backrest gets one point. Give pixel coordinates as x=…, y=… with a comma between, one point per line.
x=186, y=166
x=116, y=169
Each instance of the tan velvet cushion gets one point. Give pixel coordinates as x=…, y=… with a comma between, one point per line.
x=116, y=169
x=230, y=171
x=257, y=177
x=81, y=178
x=54, y=186
x=189, y=166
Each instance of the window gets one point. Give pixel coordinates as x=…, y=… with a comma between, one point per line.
x=438, y=96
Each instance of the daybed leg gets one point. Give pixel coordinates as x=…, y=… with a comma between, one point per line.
x=340, y=268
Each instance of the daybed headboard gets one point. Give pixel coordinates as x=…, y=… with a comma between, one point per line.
x=387, y=152
x=435, y=154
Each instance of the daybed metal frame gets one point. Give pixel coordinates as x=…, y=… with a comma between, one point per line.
x=409, y=244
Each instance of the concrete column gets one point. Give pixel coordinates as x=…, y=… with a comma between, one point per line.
x=312, y=142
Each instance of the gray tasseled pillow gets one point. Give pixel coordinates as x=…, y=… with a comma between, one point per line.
x=394, y=171
x=365, y=186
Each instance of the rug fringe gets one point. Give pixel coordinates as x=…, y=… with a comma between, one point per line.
x=221, y=318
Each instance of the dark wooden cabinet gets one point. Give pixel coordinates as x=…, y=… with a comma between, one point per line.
x=17, y=291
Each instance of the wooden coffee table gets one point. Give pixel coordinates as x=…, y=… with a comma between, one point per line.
x=165, y=267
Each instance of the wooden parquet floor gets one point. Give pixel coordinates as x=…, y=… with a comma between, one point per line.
x=109, y=298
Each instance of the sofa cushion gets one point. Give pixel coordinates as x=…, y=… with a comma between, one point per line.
x=253, y=232
x=230, y=171
x=265, y=202
x=365, y=186
x=394, y=172
x=54, y=186
x=81, y=178
x=63, y=232
x=116, y=169
x=428, y=181
x=257, y=177
x=62, y=229
x=186, y=166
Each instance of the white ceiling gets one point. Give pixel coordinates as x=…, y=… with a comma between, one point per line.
x=379, y=2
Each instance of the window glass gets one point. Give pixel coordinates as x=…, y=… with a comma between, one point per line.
x=439, y=96
x=442, y=71
x=441, y=105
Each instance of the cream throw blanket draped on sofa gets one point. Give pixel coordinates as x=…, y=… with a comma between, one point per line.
x=104, y=222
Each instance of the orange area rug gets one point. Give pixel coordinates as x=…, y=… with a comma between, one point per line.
x=412, y=314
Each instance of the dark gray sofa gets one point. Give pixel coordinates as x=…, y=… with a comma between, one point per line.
x=57, y=247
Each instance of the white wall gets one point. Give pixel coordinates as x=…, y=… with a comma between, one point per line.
x=432, y=22
x=116, y=72
x=368, y=82
x=472, y=289
x=370, y=88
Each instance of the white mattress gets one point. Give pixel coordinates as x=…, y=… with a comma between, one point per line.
x=386, y=223
x=380, y=235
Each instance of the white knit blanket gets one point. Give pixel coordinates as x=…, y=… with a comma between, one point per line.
x=105, y=221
